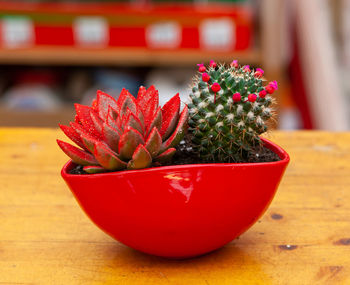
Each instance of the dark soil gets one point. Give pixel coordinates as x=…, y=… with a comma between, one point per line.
x=185, y=155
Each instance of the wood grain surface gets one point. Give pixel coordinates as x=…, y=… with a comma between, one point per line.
x=303, y=238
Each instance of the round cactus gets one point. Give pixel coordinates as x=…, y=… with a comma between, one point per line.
x=229, y=108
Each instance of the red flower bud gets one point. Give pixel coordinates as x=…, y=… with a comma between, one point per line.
x=262, y=93
x=252, y=97
x=234, y=64
x=201, y=67
x=205, y=77
x=236, y=97
x=258, y=74
x=246, y=68
x=215, y=87
x=212, y=64
x=269, y=89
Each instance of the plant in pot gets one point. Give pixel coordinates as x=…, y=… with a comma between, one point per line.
x=123, y=179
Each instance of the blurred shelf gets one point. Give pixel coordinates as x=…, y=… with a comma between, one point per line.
x=119, y=56
x=127, y=34
x=36, y=118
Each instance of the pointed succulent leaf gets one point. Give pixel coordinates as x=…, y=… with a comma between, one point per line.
x=133, y=121
x=166, y=156
x=126, y=100
x=80, y=130
x=94, y=105
x=153, y=142
x=91, y=169
x=98, y=122
x=122, y=121
x=141, y=118
x=76, y=119
x=89, y=141
x=170, y=116
x=107, y=158
x=142, y=91
x=111, y=136
x=113, y=113
x=73, y=135
x=76, y=154
x=113, y=123
x=148, y=102
x=179, y=132
x=156, y=121
x=104, y=101
x=85, y=119
x=140, y=158
x=128, y=142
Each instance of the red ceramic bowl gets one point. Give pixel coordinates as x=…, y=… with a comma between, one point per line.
x=182, y=210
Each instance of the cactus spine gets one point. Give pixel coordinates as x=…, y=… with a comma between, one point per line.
x=229, y=108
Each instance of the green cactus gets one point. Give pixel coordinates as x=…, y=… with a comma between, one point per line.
x=229, y=108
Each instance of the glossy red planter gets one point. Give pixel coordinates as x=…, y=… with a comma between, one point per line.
x=182, y=210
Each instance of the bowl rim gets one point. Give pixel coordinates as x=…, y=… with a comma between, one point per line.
x=283, y=155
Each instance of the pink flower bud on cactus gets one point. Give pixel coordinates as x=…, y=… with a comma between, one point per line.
x=212, y=64
x=252, y=97
x=237, y=97
x=262, y=93
x=274, y=84
x=246, y=68
x=234, y=63
x=201, y=67
x=270, y=89
x=215, y=87
x=259, y=73
x=205, y=77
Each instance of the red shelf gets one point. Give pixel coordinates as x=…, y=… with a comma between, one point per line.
x=217, y=29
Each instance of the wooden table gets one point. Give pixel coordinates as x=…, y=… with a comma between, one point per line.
x=303, y=238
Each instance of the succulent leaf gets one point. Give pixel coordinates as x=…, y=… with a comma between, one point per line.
x=77, y=155
x=107, y=158
x=126, y=101
x=128, y=142
x=179, y=132
x=98, y=122
x=170, y=116
x=111, y=136
x=73, y=135
x=89, y=141
x=133, y=121
x=104, y=102
x=140, y=159
x=149, y=104
x=166, y=156
x=153, y=142
x=156, y=121
x=113, y=123
x=85, y=119
x=94, y=169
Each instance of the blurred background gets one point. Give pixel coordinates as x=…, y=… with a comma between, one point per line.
x=54, y=53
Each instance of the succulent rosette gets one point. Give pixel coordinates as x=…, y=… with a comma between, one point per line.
x=128, y=133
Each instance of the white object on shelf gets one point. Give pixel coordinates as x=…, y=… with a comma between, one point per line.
x=17, y=32
x=164, y=35
x=171, y=81
x=91, y=31
x=31, y=97
x=217, y=34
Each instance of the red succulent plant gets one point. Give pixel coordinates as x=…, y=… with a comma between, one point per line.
x=128, y=133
